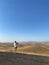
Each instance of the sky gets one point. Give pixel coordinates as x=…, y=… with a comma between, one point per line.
x=24, y=20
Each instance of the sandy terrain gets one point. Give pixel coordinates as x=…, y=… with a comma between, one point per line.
x=35, y=49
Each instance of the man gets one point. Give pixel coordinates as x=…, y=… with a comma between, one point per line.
x=15, y=46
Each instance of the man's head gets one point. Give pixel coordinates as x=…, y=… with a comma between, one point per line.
x=15, y=41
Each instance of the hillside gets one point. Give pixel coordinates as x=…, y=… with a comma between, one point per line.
x=33, y=48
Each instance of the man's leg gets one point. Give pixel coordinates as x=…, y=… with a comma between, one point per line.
x=14, y=50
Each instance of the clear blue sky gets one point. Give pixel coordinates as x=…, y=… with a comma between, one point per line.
x=24, y=20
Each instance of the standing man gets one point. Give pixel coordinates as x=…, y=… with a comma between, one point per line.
x=15, y=46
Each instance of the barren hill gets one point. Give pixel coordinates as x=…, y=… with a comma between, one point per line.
x=33, y=48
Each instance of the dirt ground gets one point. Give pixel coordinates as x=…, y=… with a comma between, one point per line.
x=9, y=58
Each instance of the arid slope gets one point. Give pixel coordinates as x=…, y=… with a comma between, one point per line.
x=36, y=48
